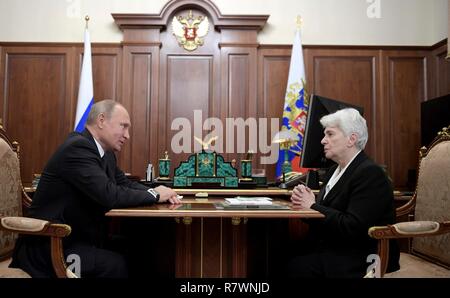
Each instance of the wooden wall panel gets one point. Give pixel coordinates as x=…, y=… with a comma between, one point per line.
x=273, y=70
x=223, y=81
x=139, y=96
x=238, y=107
x=106, y=75
x=36, y=102
x=443, y=87
x=189, y=89
x=442, y=67
x=239, y=69
x=349, y=77
x=238, y=86
x=140, y=107
x=406, y=89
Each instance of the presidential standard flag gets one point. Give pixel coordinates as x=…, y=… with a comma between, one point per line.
x=86, y=91
x=295, y=109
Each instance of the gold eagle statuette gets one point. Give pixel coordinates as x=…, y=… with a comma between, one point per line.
x=206, y=144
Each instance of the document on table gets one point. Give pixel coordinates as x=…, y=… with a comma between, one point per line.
x=249, y=201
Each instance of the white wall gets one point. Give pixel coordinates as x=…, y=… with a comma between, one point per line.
x=329, y=22
x=440, y=20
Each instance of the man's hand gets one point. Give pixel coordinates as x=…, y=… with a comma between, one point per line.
x=167, y=195
x=303, y=196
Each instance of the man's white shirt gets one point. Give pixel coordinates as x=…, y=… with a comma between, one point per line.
x=100, y=148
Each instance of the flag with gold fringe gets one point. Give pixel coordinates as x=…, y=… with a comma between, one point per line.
x=294, y=112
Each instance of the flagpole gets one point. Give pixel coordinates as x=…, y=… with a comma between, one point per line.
x=86, y=91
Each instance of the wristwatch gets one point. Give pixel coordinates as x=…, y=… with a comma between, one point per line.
x=154, y=193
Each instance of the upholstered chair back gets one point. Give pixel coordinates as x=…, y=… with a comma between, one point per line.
x=12, y=200
x=10, y=193
x=433, y=199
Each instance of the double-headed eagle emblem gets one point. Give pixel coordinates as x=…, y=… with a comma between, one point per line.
x=190, y=31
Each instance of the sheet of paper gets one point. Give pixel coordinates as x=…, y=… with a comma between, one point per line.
x=249, y=201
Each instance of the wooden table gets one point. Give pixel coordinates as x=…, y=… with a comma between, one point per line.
x=208, y=242
x=205, y=208
x=201, y=241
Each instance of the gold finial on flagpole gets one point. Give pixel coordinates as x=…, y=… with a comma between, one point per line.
x=86, y=18
x=299, y=21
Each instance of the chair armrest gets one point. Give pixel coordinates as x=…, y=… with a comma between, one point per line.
x=404, y=230
x=32, y=226
x=410, y=229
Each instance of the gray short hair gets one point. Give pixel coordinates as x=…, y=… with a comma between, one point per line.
x=348, y=121
x=105, y=106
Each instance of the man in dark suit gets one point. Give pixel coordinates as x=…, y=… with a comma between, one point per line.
x=356, y=195
x=81, y=182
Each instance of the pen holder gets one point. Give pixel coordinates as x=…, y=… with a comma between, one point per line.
x=246, y=170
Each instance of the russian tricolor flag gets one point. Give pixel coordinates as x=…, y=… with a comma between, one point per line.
x=86, y=91
x=295, y=110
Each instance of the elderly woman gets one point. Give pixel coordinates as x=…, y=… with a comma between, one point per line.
x=356, y=196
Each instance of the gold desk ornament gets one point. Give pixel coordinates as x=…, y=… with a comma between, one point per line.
x=187, y=220
x=190, y=31
x=206, y=144
x=233, y=163
x=246, y=167
x=235, y=221
x=164, y=167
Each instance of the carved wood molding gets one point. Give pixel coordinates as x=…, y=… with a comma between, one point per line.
x=238, y=45
x=141, y=43
x=159, y=21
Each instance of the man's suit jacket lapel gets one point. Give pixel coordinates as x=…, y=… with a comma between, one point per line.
x=109, y=165
x=88, y=135
x=336, y=190
x=106, y=161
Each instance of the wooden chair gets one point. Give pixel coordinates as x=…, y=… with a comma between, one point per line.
x=430, y=204
x=12, y=199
